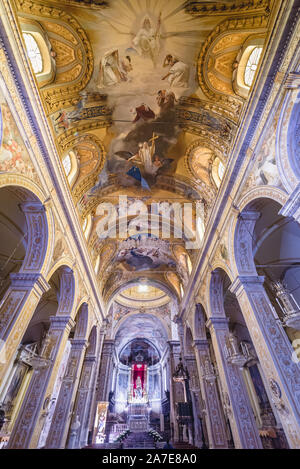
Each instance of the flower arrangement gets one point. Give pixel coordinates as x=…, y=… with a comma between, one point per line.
x=122, y=436
x=155, y=435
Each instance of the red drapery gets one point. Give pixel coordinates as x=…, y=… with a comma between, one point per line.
x=139, y=371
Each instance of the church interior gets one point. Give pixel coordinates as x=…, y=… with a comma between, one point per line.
x=149, y=224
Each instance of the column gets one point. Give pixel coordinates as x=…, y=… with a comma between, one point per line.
x=176, y=391
x=62, y=414
x=83, y=398
x=244, y=429
x=194, y=388
x=28, y=424
x=214, y=417
x=16, y=310
x=91, y=404
x=105, y=375
x=274, y=352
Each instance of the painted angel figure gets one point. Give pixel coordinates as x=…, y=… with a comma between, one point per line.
x=109, y=70
x=145, y=163
x=147, y=41
x=179, y=72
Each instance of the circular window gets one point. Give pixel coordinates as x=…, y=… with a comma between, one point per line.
x=33, y=52
x=251, y=66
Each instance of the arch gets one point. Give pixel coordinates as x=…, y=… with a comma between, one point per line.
x=225, y=42
x=115, y=222
x=66, y=290
x=216, y=293
x=34, y=28
x=285, y=136
x=209, y=153
x=82, y=321
x=71, y=50
x=93, y=342
x=137, y=312
x=88, y=158
x=88, y=228
x=148, y=341
x=64, y=261
x=97, y=264
x=39, y=219
x=221, y=265
x=244, y=223
x=71, y=167
x=239, y=85
x=188, y=339
x=217, y=171
x=288, y=140
x=135, y=282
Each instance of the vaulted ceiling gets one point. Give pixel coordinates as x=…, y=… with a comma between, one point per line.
x=144, y=98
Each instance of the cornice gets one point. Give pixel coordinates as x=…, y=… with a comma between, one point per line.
x=232, y=8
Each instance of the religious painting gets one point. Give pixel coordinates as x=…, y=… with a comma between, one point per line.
x=139, y=351
x=265, y=171
x=148, y=66
x=13, y=153
x=100, y=422
x=139, y=253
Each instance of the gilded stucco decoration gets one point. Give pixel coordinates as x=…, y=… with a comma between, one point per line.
x=72, y=50
x=217, y=59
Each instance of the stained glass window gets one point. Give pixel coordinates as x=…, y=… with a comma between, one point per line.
x=251, y=66
x=33, y=52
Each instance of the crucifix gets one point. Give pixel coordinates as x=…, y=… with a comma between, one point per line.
x=152, y=140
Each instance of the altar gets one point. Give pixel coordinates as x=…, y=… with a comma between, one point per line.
x=138, y=384
x=138, y=412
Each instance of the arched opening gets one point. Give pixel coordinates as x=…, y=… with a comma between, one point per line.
x=32, y=354
x=217, y=171
x=138, y=386
x=13, y=236
x=240, y=352
x=251, y=65
x=33, y=52
x=248, y=61
x=23, y=234
x=275, y=249
x=39, y=51
x=71, y=167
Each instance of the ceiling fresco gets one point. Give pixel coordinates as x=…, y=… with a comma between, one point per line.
x=144, y=94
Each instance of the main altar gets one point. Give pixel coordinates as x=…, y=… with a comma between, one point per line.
x=138, y=402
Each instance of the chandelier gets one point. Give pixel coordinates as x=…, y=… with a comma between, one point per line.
x=288, y=305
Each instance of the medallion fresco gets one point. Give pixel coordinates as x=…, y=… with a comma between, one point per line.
x=13, y=153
